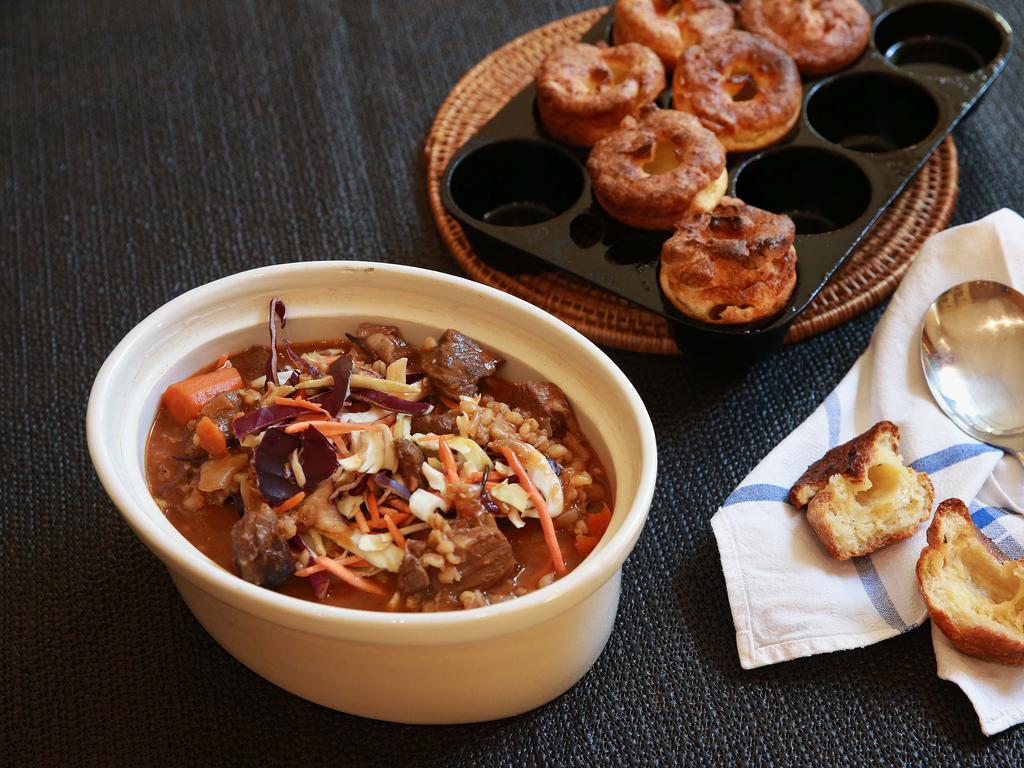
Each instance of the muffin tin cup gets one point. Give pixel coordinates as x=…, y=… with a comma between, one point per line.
x=525, y=200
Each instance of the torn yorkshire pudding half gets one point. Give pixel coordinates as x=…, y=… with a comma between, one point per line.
x=652, y=172
x=974, y=594
x=584, y=92
x=668, y=27
x=734, y=264
x=860, y=497
x=822, y=36
x=740, y=86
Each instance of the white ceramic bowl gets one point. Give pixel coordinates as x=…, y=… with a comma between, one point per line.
x=449, y=667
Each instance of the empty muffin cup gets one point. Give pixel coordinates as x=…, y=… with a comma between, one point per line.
x=939, y=38
x=872, y=111
x=820, y=190
x=516, y=183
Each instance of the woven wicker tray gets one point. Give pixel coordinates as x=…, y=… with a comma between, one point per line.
x=871, y=274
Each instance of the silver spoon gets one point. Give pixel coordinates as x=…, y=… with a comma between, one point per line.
x=972, y=351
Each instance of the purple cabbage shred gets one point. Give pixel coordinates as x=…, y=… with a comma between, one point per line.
x=278, y=312
x=260, y=418
x=318, y=582
x=341, y=370
x=385, y=481
x=391, y=402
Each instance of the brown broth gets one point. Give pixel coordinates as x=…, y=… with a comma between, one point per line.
x=208, y=528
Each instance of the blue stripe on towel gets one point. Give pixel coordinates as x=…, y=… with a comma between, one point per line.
x=947, y=457
x=987, y=519
x=832, y=411
x=756, y=492
x=877, y=593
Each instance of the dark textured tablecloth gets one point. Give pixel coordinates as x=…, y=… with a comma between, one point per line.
x=149, y=147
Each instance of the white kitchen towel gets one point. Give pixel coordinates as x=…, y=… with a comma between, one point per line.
x=788, y=597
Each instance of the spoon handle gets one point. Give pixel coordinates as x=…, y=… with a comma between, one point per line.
x=1020, y=456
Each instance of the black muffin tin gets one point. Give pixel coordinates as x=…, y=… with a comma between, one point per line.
x=525, y=200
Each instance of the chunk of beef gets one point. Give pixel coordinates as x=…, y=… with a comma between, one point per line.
x=222, y=410
x=542, y=400
x=457, y=364
x=412, y=576
x=486, y=554
x=262, y=556
x=438, y=423
x=470, y=506
x=386, y=342
x=251, y=363
x=410, y=459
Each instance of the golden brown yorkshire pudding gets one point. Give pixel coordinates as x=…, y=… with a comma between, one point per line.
x=668, y=27
x=974, y=593
x=740, y=86
x=584, y=92
x=822, y=36
x=735, y=264
x=649, y=174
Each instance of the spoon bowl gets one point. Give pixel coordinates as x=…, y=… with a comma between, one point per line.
x=972, y=351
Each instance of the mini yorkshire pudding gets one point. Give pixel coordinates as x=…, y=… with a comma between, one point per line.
x=649, y=174
x=668, y=27
x=584, y=92
x=733, y=265
x=822, y=36
x=740, y=86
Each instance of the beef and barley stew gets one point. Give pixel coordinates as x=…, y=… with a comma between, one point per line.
x=371, y=472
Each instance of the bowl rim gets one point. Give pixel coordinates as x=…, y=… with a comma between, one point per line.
x=184, y=559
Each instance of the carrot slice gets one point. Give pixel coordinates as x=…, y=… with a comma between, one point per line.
x=585, y=544
x=597, y=522
x=448, y=460
x=290, y=503
x=396, y=535
x=343, y=573
x=185, y=398
x=211, y=439
x=546, y=523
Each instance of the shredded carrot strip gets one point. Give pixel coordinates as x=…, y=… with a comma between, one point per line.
x=361, y=520
x=474, y=477
x=451, y=471
x=399, y=504
x=371, y=504
x=491, y=485
x=327, y=427
x=355, y=561
x=394, y=514
x=542, y=508
x=290, y=503
x=452, y=405
x=301, y=404
x=310, y=571
x=396, y=535
x=350, y=578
